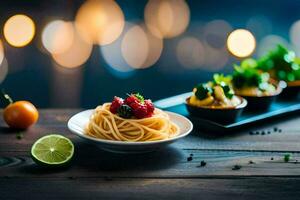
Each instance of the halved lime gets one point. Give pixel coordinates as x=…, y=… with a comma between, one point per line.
x=52, y=150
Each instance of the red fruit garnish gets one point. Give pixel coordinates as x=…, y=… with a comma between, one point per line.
x=135, y=105
x=141, y=108
x=150, y=106
x=131, y=99
x=140, y=111
x=116, y=104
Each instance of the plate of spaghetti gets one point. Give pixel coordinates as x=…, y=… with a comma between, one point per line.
x=130, y=125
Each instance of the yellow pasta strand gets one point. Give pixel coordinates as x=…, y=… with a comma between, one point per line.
x=105, y=125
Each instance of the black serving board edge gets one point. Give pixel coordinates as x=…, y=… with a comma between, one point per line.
x=292, y=107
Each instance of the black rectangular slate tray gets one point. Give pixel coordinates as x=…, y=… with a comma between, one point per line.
x=277, y=110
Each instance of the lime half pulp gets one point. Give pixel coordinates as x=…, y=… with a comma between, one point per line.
x=52, y=150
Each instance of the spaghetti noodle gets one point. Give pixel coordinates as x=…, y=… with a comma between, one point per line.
x=104, y=124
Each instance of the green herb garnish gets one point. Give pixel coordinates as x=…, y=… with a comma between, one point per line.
x=247, y=75
x=140, y=97
x=249, y=63
x=236, y=167
x=19, y=136
x=281, y=63
x=227, y=91
x=221, y=79
x=286, y=157
x=202, y=163
x=224, y=82
x=202, y=91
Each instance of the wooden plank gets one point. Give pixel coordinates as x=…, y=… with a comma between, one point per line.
x=170, y=163
x=221, y=152
x=94, y=188
x=283, y=142
x=286, y=140
x=50, y=117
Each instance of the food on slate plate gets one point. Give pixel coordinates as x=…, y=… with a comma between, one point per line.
x=216, y=93
x=52, y=151
x=248, y=81
x=281, y=63
x=19, y=114
x=216, y=101
x=133, y=119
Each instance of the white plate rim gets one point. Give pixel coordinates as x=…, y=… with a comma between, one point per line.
x=113, y=142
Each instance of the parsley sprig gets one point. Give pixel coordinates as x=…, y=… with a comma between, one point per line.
x=248, y=75
x=203, y=90
x=281, y=63
x=140, y=97
x=225, y=83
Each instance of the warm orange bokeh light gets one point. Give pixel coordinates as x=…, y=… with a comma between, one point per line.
x=270, y=42
x=167, y=19
x=216, y=32
x=3, y=70
x=295, y=34
x=1, y=52
x=241, y=43
x=77, y=54
x=140, y=48
x=190, y=52
x=19, y=30
x=155, y=48
x=100, y=21
x=58, y=36
x=135, y=47
x=215, y=59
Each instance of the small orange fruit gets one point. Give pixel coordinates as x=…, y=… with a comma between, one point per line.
x=20, y=114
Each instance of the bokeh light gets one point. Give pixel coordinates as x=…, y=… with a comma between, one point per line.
x=270, y=42
x=135, y=46
x=190, y=52
x=216, y=32
x=167, y=19
x=77, y=54
x=215, y=59
x=100, y=21
x=260, y=26
x=140, y=48
x=19, y=30
x=241, y=43
x=113, y=56
x=1, y=52
x=155, y=48
x=295, y=34
x=3, y=70
x=58, y=36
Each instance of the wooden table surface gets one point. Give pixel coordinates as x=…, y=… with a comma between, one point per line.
x=95, y=174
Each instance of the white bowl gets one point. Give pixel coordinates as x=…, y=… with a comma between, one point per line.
x=78, y=122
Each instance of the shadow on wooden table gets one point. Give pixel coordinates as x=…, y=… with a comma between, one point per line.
x=221, y=133
x=7, y=130
x=88, y=157
x=92, y=158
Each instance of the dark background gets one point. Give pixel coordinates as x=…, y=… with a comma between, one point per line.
x=34, y=76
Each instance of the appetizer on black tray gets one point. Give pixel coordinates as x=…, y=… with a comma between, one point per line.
x=216, y=101
x=283, y=65
x=254, y=85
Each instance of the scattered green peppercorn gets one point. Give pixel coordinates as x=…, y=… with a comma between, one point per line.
x=286, y=157
x=236, y=167
x=19, y=136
